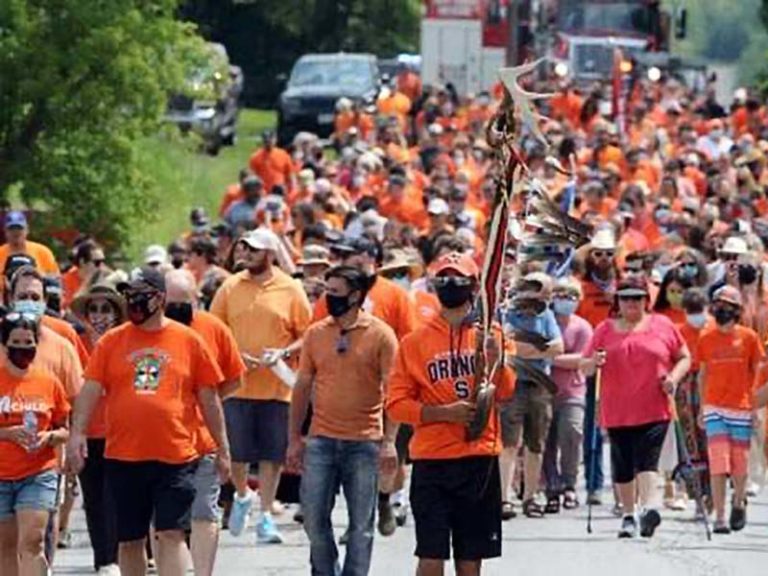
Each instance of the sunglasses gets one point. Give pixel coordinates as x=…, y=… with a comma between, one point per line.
x=442, y=281
x=342, y=344
x=603, y=253
x=17, y=316
x=100, y=309
x=729, y=257
x=633, y=298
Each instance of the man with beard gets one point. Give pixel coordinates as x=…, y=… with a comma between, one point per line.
x=150, y=372
x=388, y=302
x=268, y=313
x=181, y=305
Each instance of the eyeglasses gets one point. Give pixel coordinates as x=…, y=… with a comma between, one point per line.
x=633, y=298
x=103, y=309
x=342, y=344
x=603, y=253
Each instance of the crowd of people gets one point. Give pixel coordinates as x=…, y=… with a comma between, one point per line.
x=320, y=336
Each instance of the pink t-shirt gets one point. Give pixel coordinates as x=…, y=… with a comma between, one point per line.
x=636, y=362
x=570, y=383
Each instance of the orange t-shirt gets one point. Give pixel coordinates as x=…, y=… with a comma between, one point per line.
x=436, y=366
x=426, y=306
x=272, y=314
x=70, y=284
x=273, y=167
x=387, y=301
x=222, y=344
x=151, y=380
x=595, y=305
x=39, y=392
x=692, y=336
x=349, y=388
x=46, y=261
x=731, y=362
x=234, y=193
x=65, y=330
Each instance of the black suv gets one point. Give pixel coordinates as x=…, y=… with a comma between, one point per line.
x=316, y=83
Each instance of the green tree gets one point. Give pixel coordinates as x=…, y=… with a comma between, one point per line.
x=81, y=84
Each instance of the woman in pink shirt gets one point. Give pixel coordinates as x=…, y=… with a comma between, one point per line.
x=643, y=358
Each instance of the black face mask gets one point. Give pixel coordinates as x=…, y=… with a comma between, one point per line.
x=747, y=274
x=21, y=357
x=338, y=305
x=453, y=292
x=139, y=308
x=180, y=311
x=724, y=315
x=177, y=262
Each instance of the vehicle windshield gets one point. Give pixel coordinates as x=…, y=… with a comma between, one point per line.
x=614, y=16
x=346, y=73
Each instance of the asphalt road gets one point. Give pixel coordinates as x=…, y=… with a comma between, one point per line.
x=555, y=545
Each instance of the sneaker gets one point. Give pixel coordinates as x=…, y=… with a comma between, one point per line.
x=628, y=527
x=387, y=523
x=344, y=538
x=721, y=527
x=110, y=570
x=266, y=531
x=595, y=498
x=649, y=521
x=401, y=513
x=240, y=514
x=617, y=510
x=151, y=566
x=753, y=489
x=738, y=518
x=298, y=516
x=65, y=540
x=679, y=504
x=507, y=511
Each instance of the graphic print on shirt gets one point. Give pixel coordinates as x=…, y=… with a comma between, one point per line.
x=18, y=404
x=148, y=364
x=459, y=369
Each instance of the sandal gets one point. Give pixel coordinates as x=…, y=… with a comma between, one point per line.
x=507, y=511
x=570, y=500
x=553, y=505
x=721, y=527
x=738, y=519
x=533, y=509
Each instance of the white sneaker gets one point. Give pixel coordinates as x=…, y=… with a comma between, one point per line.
x=753, y=489
x=110, y=570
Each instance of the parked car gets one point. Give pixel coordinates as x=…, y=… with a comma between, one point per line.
x=316, y=83
x=209, y=105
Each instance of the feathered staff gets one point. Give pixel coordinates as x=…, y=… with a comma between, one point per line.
x=502, y=134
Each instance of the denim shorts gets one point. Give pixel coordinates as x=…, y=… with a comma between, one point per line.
x=205, y=508
x=36, y=492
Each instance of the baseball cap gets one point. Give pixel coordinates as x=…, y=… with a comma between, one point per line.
x=632, y=286
x=438, y=207
x=16, y=261
x=260, y=239
x=143, y=278
x=155, y=255
x=537, y=285
x=461, y=263
x=735, y=245
x=359, y=245
x=728, y=294
x=15, y=219
x=315, y=255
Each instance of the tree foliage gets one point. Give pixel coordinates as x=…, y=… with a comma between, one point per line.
x=81, y=83
x=265, y=37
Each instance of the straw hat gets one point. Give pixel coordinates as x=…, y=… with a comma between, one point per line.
x=103, y=290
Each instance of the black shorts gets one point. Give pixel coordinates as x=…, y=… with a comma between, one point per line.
x=403, y=439
x=147, y=492
x=636, y=449
x=457, y=502
x=257, y=430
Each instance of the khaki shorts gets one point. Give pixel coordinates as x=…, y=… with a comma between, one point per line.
x=527, y=417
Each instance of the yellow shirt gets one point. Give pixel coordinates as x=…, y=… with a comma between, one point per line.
x=269, y=315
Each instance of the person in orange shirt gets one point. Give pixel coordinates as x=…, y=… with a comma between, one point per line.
x=34, y=410
x=398, y=206
x=344, y=369
x=399, y=268
x=88, y=260
x=455, y=488
x=153, y=373
x=566, y=106
x=260, y=296
x=181, y=305
x=16, y=232
x=730, y=356
x=409, y=82
x=234, y=192
x=273, y=165
x=392, y=102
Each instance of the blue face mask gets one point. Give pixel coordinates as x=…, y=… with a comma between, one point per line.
x=689, y=271
x=29, y=307
x=696, y=320
x=403, y=281
x=564, y=306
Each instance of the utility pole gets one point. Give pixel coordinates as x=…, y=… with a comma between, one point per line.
x=513, y=41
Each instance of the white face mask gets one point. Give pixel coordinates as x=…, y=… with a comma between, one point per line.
x=716, y=134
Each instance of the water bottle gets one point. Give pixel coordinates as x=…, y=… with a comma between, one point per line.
x=30, y=427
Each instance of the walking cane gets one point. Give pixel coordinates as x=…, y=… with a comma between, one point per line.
x=593, y=444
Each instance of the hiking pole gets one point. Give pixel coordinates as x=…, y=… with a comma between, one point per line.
x=593, y=444
x=686, y=470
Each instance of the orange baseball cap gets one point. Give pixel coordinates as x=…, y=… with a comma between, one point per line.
x=461, y=263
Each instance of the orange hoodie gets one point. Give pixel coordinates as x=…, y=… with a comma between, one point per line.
x=425, y=375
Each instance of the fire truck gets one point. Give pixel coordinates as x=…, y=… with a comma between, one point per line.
x=465, y=42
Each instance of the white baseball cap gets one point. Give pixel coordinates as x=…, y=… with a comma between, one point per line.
x=438, y=207
x=155, y=255
x=260, y=239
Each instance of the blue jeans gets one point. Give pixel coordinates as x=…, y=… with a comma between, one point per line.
x=594, y=478
x=353, y=465
x=36, y=492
